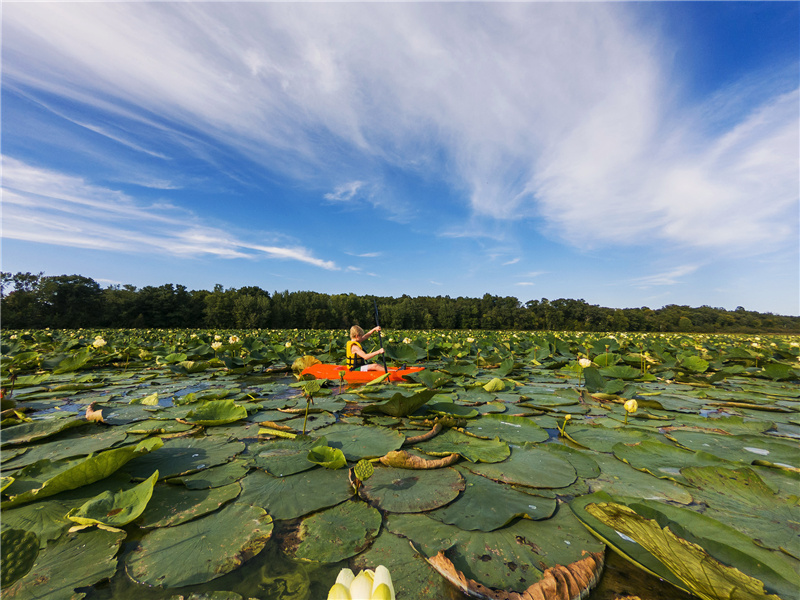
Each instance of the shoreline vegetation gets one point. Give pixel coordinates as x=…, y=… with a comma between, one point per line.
x=74, y=301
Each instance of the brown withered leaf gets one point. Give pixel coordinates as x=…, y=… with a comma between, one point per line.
x=94, y=414
x=425, y=436
x=403, y=460
x=570, y=582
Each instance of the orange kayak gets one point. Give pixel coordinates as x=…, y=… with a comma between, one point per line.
x=336, y=372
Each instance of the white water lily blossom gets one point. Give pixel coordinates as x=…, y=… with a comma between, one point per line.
x=98, y=342
x=585, y=362
x=233, y=340
x=406, y=340
x=216, y=346
x=367, y=585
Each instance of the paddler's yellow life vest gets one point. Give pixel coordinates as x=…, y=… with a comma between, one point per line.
x=354, y=361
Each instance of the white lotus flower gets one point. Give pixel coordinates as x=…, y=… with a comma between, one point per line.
x=367, y=585
x=288, y=344
x=98, y=342
x=406, y=340
x=585, y=362
x=233, y=340
x=216, y=346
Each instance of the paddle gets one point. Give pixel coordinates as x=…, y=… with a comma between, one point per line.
x=380, y=337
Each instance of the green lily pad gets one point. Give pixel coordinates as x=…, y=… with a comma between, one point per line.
x=44, y=479
x=217, y=412
x=115, y=509
x=470, y=447
x=509, y=428
x=358, y=441
x=283, y=457
x=19, y=551
x=338, y=533
x=74, y=562
x=663, y=460
x=172, y=505
x=185, y=455
x=213, y=477
x=621, y=479
x=602, y=439
x=529, y=466
x=38, y=430
x=412, y=577
x=296, y=495
x=451, y=409
x=486, y=505
x=45, y=519
x=742, y=448
x=409, y=491
x=201, y=550
x=400, y=405
x=325, y=456
x=511, y=558
x=741, y=499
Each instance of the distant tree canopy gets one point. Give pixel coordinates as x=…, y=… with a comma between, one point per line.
x=71, y=301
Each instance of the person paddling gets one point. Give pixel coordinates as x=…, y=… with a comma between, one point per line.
x=356, y=357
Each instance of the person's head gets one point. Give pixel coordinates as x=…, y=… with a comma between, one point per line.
x=356, y=332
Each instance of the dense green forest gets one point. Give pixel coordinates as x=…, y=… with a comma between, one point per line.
x=72, y=301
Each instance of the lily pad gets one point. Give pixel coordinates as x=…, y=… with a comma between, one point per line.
x=77, y=561
x=115, y=509
x=486, y=505
x=509, y=428
x=283, y=457
x=185, y=455
x=470, y=447
x=400, y=405
x=296, y=495
x=19, y=551
x=358, y=441
x=602, y=439
x=172, y=505
x=338, y=533
x=201, y=550
x=216, y=412
x=38, y=430
x=743, y=448
x=529, y=466
x=409, y=491
x=664, y=460
x=213, y=477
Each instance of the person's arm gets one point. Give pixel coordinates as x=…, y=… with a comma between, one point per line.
x=366, y=355
x=369, y=333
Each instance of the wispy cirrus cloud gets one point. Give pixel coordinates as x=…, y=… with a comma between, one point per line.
x=44, y=206
x=560, y=112
x=666, y=278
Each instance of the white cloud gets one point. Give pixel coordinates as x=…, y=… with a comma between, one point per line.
x=672, y=277
x=44, y=206
x=562, y=111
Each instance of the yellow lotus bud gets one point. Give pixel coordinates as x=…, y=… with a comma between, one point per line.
x=382, y=577
x=339, y=592
x=567, y=417
x=361, y=588
x=631, y=406
x=345, y=577
x=382, y=592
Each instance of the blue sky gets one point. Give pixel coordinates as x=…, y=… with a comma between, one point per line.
x=630, y=154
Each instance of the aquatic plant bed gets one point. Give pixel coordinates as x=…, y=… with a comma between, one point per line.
x=195, y=464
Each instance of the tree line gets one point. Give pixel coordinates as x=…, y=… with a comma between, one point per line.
x=72, y=301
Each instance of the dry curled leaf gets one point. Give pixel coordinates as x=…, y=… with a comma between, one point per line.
x=403, y=460
x=425, y=436
x=570, y=582
x=93, y=414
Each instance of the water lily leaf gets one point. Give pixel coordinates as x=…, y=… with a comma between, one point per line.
x=408, y=491
x=742, y=448
x=509, y=428
x=325, y=456
x=602, y=439
x=582, y=461
x=213, y=477
x=702, y=575
x=283, y=457
x=452, y=410
x=562, y=582
x=200, y=550
x=495, y=385
x=37, y=430
x=296, y=495
x=77, y=561
x=216, y=412
x=529, y=466
x=400, y=405
x=362, y=441
x=512, y=558
x=45, y=519
x=352, y=525
x=172, y=505
x=623, y=372
x=182, y=456
x=81, y=442
x=73, y=474
x=663, y=460
x=621, y=479
x=486, y=505
x=157, y=427
x=411, y=575
x=473, y=449
x=115, y=509
x=741, y=499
